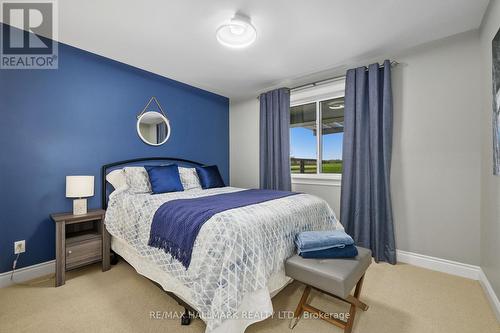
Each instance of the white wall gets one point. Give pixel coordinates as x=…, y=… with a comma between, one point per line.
x=490, y=185
x=330, y=193
x=436, y=158
x=244, y=143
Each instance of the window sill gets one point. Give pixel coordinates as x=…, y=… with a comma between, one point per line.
x=317, y=179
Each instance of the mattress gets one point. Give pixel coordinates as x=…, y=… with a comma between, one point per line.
x=238, y=256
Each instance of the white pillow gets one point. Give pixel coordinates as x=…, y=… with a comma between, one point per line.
x=117, y=178
x=137, y=179
x=189, y=178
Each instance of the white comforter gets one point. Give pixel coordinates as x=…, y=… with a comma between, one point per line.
x=236, y=251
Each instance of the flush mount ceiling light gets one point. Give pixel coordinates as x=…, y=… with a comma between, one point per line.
x=238, y=33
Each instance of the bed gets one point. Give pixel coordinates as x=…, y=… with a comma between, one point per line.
x=238, y=256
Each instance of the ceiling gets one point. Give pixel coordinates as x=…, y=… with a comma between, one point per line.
x=176, y=38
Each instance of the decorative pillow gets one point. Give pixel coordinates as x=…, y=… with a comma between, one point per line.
x=210, y=176
x=189, y=178
x=117, y=178
x=137, y=179
x=164, y=178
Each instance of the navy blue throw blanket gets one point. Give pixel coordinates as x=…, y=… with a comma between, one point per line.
x=349, y=251
x=177, y=222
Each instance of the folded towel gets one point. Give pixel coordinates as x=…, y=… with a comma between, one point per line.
x=320, y=240
x=348, y=251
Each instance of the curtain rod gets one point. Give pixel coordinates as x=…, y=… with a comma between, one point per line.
x=316, y=83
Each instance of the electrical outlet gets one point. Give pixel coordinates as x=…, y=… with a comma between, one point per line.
x=19, y=247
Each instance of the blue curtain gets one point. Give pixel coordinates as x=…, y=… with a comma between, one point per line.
x=366, y=209
x=161, y=132
x=275, y=140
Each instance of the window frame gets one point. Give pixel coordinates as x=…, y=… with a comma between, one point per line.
x=317, y=94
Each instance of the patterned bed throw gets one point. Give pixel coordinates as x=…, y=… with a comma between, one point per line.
x=176, y=223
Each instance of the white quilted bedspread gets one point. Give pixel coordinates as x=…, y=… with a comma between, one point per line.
x=236, y=251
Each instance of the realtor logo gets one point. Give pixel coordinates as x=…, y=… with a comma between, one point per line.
x=28, y=33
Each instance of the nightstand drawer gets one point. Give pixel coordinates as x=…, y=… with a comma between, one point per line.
x=82, y=253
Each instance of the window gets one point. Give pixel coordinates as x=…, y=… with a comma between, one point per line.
x=303, y=142
x=316, y=135
x=332, y=134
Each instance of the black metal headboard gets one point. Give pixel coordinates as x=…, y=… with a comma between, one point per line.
x=106, y=167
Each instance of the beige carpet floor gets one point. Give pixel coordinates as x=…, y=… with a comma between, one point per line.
x=402, y=299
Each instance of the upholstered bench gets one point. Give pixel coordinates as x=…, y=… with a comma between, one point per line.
x=334, y=277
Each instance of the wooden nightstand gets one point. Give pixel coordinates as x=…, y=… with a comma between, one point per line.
x=80, y=240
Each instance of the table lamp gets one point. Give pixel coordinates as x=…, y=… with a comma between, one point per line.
x=79, y=187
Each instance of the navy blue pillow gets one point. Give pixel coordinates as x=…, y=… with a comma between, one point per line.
x=209, y=177
x=164, y=178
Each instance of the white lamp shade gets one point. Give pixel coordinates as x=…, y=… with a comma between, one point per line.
x=79, y=186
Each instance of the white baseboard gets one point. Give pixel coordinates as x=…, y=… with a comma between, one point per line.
x=438, y=264
x=27, y=273
x=454, y=268
x=490, y=293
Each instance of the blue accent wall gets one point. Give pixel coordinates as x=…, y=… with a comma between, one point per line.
x=73, y=120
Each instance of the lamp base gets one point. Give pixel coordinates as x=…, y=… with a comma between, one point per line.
x=79, y=206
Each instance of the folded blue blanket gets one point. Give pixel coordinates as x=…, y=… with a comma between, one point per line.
x=320, y=240
x=348, y=251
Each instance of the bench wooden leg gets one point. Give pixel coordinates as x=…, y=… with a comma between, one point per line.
x=357, y=302
x=357, y=293
x=352, y=309
x=300, y=308
x=350, y=321
x=345, y=325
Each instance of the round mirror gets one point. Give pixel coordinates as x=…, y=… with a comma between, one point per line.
x=153, y=128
